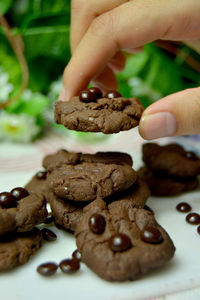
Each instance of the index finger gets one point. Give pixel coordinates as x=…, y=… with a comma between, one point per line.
x=131, y=25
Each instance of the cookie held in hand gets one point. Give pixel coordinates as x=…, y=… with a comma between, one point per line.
x=107, y=115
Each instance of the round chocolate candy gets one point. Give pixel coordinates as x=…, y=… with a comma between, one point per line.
x=7, y=200
x=69, y=265
x=112, y=94
x=47, y=269
x=183, y=207
x=48, y=235
x=41, y=175
x=87, y=96
x=120, y=242
x=198, y=229
x=193, y=218
x=96, y=91
x=191, y=155
x=19, y=193
x=151, y=235
x=97, y=223
x=76, y=255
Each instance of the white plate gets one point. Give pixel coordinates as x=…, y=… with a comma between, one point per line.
x=181, y=273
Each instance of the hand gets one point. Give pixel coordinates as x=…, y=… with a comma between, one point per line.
x=100, y=30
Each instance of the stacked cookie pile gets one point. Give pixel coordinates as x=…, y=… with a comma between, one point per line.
x=20, y=212
x=100, y=198
x=169, y=170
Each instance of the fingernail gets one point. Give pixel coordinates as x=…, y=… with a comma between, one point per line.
x=63, y=95
x=158, y=125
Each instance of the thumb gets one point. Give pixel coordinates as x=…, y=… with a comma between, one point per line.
x=176, y=114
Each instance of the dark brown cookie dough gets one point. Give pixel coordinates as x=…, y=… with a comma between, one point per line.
x=171, y=160
x=165, y=185
x=16, y=249
x=105, y=115
x=68, y=213
x=29, y=212
x=37, y=185
x=63, y=157
x=119, y=242
x=83, y=177
x=87, y=181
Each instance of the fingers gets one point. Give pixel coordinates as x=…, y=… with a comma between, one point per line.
x=177, y=114
x=83, y=12
x=130, y=25
x=117, y=63
x=106, y=80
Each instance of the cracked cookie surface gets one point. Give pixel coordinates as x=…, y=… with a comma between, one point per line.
x=16, y=249
x=171, y=160
x=29, y=212
x=105, y=115
x=132, y=254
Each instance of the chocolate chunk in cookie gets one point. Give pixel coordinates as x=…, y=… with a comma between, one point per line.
x=24, y=215
x=131, y=244
x=107, y=115
x=38, y=183
x=171, y=160
x=163, y=185
x=16, y=249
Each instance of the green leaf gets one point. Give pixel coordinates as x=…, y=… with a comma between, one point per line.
x=33, y=106
x=5, y=5
x=47, y=41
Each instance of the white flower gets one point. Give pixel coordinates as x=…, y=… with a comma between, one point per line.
x=5, y=86
x=17, y=128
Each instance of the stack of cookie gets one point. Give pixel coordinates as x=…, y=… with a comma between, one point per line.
x=169, y=170
x=20, y=212
x=100, y=198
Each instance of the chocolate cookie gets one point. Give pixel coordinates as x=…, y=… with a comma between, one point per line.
x=163, y=185
x=87, y=181
x=29, y=211
x=16, y=249
x=84, y=177
x=119, y=242
x=102, y=115
x=171, y=160
x=38, y=183
x=67, y=213
x=63, y=157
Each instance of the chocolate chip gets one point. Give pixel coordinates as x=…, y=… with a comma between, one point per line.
x=19, y=193
x=7, y=200
x=76, y=255
x=193, y=218
x=69, y=265
x=97, y=92
x=198, y=229
x=48, y=235
x=41, y=175
x=47, y=269
x=151, y=235
x=191, y=155
x=183, y=207
x=112, y=94
x=49, y=220
x=120, y=242
x=87, y=96
x=97, y=223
